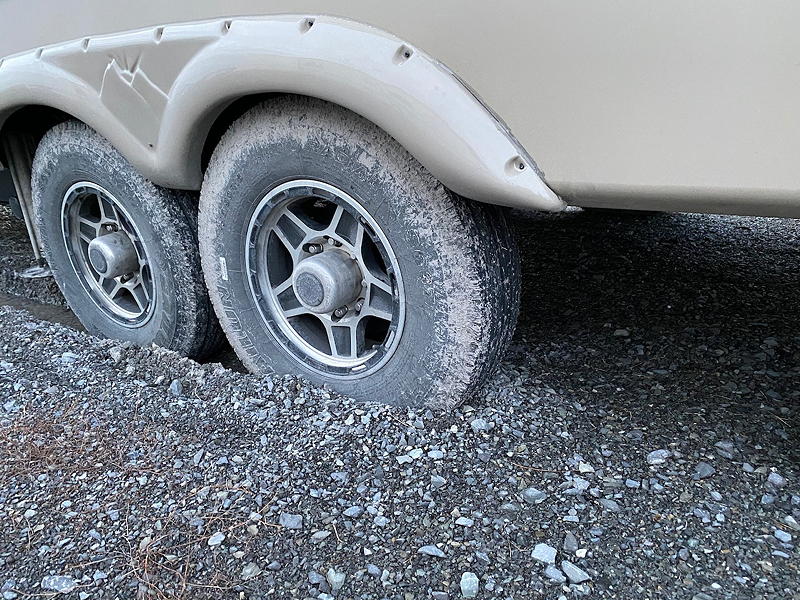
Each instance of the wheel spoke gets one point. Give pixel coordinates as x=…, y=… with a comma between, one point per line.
x=299, y=223
x=375, y=303
x=378, y=283
x=282, y=287
x=145, y=288
x=295, y=312
x=344, y=345
x=117, y=287
x=358, y=243
x=285, y=241
x=95, y=225
x=335, y=220
x=293, y=250
x=375, y=311
x=331, y=337
x=101, y=207
x=139, y=296
x=354, y=341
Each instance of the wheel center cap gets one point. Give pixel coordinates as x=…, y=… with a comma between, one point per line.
x=113, y=254
x=327, y=281
x=309, y=289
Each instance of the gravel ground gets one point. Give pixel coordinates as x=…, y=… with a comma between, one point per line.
x=639, y=441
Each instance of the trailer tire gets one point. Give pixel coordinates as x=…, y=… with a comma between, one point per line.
x=457, y=260
x=84, y=189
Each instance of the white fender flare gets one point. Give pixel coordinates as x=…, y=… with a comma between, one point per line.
x=155, y=93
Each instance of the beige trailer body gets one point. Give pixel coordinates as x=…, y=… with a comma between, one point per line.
x=621, y=103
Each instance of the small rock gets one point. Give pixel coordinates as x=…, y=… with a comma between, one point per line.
x=431, y=550
x=575, y=574
x=570, y=542
x=216, y=539
x=465, y=522
x=353, y=512
x=783, y=536
x=703, y=470
x=553, y=573
x=658, y=457
x=290, y=521
x=791, y=522
x=621, y=333
x=725, y=448
x=479, y=425
x=533, y=496
x=776, y=480
x=59, y=583
x=335, y=579
x=176, y=387
x=509, y=507
x=250, y=570
x=469, y=585
x=544, y=554
x=611, y=505
x=69, y=357
x=437, y=481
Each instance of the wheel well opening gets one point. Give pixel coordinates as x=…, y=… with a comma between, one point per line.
x=225, y=119
x=32, y=121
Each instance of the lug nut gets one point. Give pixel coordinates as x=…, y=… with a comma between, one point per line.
x=340, y=312
x=359, y=305
x=314, y=248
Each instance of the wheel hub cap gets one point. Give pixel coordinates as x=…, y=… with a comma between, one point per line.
x=327, y=281
x=113, y=254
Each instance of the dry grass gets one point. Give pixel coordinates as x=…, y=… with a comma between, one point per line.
x=176, y=562
x=62, y=441
x=167, y=565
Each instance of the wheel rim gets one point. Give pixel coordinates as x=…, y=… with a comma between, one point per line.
x=325, y=278
x=107, y=253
